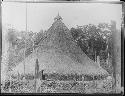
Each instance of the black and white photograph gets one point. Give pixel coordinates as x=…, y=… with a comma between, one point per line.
x=61, y=47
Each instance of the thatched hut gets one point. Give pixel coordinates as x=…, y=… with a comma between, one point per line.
x=57, y=52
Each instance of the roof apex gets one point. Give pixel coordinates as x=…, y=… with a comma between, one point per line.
x=58, y=17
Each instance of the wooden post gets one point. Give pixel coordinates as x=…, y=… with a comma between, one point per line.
x=114, y=61
x=35, y=80
x=36, y=73
x=10, y=84
x=35, y=85
x=18, y=76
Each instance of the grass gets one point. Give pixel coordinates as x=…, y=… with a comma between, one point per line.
x=57, y=86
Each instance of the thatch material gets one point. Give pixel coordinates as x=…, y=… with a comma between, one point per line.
x=58, y=52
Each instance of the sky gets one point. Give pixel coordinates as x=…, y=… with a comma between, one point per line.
x=41, y=15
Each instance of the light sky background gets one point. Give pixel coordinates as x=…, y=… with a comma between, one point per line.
x=41, y=15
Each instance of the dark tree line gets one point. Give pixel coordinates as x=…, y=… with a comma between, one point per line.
x=93, y=39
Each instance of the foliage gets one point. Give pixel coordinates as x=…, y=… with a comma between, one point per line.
x=95, y=41
x=20, y=45
x=38, y=37
x=11, y=36
x=57, y=86
x=92, y=39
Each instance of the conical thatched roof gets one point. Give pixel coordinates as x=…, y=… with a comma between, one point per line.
x=58, y=52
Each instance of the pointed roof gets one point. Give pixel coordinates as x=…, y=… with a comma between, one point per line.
x=59, y=42
x=58, y=17
x=59, y=52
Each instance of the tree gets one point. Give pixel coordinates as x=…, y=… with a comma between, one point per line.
x=76, y=33
x=81, y=38
x=106, y=34
x=11, y=36
x=91, y=39
x=38, y=37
